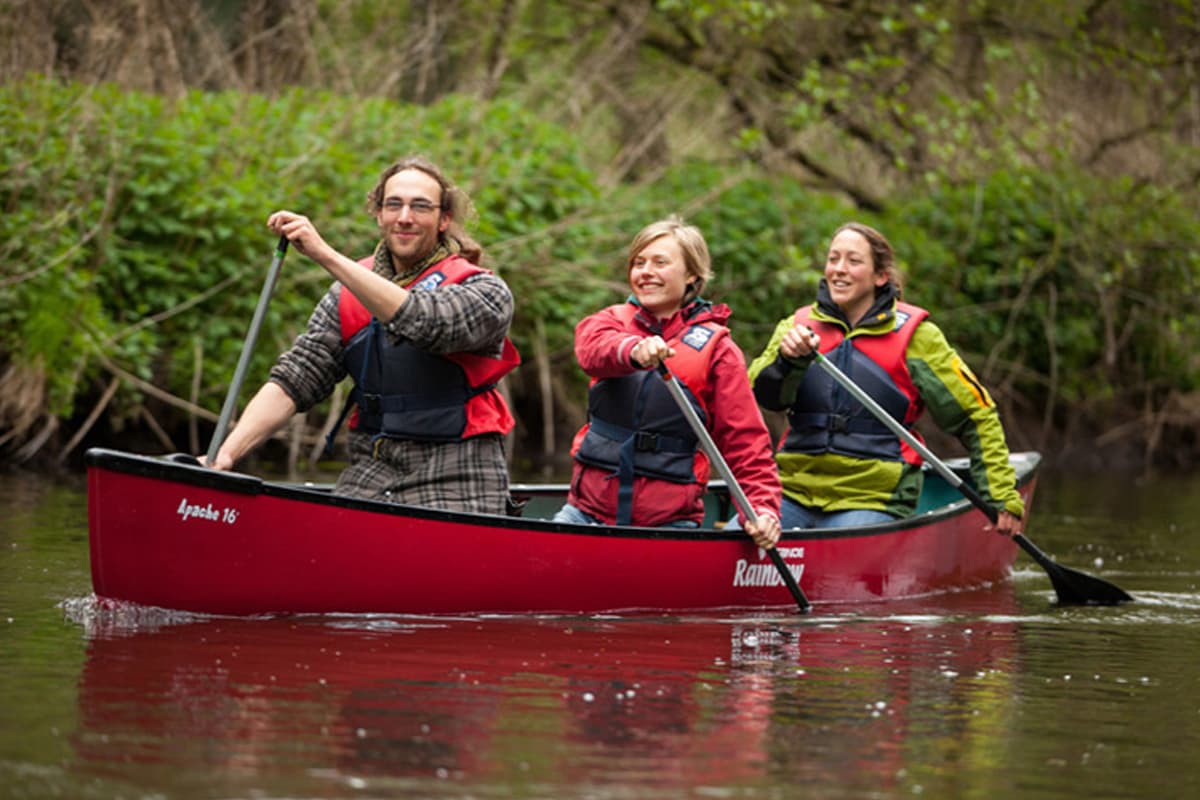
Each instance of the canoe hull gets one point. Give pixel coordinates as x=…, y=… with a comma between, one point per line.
x=173, y=535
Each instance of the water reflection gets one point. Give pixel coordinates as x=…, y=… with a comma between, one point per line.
x=557, y=702
x=948, y=697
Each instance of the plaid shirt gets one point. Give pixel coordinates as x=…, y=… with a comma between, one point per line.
x=472, y=316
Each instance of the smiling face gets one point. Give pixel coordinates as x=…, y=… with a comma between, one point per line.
x=851, y=274
x=411, y=216
x=659, y=276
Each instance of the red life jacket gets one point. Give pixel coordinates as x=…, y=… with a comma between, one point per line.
x=404, y=392
x=635, y=427
x=825, y=418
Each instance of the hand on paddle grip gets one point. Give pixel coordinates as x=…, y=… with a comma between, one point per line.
x=765, y=530
x=1007, y=524
x=650, y=352
x=799, y=342
x=221, y=462
x=300, y=231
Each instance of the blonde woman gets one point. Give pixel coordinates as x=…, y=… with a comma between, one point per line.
x=637, y=462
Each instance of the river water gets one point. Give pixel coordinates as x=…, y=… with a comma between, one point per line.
x=994, y=693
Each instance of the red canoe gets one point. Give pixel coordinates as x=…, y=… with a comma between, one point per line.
x=168, y=533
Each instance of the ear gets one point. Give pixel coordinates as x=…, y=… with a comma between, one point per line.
x=445, y=221
x=881, y=279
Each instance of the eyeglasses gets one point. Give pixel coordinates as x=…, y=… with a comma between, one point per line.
x=419, y=208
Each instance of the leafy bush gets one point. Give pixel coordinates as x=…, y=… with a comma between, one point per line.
x=135, y=226
x=1078, y=292
x=133, y=241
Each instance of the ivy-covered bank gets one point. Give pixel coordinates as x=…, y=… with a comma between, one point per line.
x=134, y=246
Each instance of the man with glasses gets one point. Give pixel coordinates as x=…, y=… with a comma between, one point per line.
x=422, y=330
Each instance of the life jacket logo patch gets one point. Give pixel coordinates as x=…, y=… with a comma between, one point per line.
x=697, y=337
x=901, y=318
x=431, y=281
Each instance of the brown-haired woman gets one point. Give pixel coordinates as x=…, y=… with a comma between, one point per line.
x=838, y=464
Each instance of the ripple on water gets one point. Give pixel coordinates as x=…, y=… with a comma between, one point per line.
x=100, y=616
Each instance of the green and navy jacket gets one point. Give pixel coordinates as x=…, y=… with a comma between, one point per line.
x=835, y=456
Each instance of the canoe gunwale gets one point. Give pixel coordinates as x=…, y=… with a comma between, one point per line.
x=183, y=469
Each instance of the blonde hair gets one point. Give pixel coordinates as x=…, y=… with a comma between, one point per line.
x=691, y=243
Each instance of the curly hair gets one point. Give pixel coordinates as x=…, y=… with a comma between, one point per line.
x=454, y=203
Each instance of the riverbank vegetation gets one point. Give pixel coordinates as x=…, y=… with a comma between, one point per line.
x=1036, y=170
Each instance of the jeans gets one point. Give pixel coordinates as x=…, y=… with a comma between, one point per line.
x=569, y=513
x=794, y=515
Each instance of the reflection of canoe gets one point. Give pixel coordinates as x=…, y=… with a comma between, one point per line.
x=176, y=535
x=392, y=696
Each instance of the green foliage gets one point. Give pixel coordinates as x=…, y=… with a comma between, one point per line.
x=133, y=237
x=135, y=230
x=1078, y=291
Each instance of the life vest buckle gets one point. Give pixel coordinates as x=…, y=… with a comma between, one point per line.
x=645, y=441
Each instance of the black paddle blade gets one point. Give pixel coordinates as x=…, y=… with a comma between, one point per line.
x=789, y=581
x=1075, y=588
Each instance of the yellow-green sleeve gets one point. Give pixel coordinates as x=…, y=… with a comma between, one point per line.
x=767, y=356
x=961, y=405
